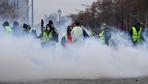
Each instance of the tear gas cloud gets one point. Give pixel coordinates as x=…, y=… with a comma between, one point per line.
x=24, y=59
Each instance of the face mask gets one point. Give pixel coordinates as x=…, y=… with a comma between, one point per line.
x=48, y=28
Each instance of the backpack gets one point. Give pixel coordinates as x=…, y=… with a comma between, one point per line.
x=85, y=34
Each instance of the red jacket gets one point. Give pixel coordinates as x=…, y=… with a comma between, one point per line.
x=69, y=38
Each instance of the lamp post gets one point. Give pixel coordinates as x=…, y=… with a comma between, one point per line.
x=17, y=4
x=32, y=12
x=6, y=3
x=59, y=13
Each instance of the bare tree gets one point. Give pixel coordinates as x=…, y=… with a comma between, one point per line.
x=119, y=13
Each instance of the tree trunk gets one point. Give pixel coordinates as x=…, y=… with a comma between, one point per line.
x=146, y=20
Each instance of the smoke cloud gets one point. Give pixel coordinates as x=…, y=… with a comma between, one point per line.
x=23, y=59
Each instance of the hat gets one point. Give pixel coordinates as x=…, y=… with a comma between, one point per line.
x=6, y=23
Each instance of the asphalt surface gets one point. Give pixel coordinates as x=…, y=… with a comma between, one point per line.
x=80, y=81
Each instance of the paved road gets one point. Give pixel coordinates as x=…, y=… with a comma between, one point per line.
x=78, y=81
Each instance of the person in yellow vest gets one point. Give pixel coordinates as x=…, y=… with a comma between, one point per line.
x=7, y=28
x=105, y=35
x=52, y=32
x=28, y=30
x=49, y=35
x=44, y=36
x=136, y=34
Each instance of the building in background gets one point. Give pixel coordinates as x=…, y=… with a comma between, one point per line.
x=21, y=8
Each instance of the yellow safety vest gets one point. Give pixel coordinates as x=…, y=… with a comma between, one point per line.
x=50, y=35
x=30, y=30
x=102, y=37
x=46, y=37
x=136, y=37
x=8, y=30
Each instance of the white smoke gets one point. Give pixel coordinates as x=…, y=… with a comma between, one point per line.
x=23, y=59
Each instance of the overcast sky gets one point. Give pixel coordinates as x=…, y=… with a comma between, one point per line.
x=45, y=7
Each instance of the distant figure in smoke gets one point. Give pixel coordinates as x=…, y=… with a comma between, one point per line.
x=136, y=34
x=7, y=28
x=16, y=29
x=67, y=39
x=28, y=30
x=105, y=34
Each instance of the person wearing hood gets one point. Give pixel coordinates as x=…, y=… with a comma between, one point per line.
x=105, y=34
x=7, y=28
x=44, y=35
x=52, y=32
x=136, y=33
x=49, y=35
x=67, y=39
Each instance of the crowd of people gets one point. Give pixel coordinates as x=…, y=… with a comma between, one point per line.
x=75, y=33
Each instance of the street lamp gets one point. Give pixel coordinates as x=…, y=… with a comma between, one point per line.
x=59, y=12
x=32, y=12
